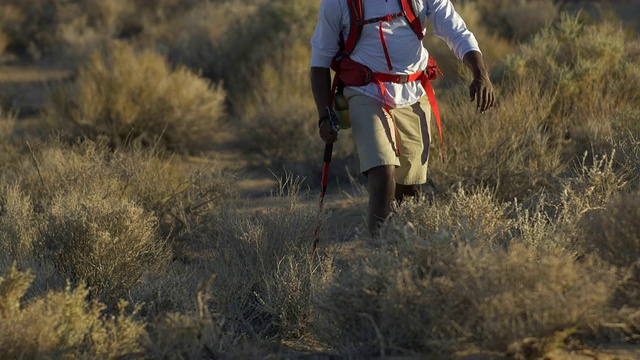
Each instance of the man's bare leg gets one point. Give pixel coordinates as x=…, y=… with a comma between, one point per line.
x=405, y=191
x=382, y=187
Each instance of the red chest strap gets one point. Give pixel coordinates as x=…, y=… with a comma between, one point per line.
x=414, y=21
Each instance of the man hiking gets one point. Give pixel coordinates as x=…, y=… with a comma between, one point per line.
x=383, y=70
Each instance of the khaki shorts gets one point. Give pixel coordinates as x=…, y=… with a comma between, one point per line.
x=374, y=135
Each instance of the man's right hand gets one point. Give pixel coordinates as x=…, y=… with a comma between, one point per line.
x=327, y=133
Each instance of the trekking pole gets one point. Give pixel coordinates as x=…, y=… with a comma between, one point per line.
x=328, y=151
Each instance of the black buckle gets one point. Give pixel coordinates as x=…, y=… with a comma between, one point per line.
x=403, y=79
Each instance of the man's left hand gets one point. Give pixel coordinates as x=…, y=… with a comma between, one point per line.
x=481, y=91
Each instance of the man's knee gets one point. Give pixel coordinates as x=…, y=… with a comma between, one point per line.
x=384, y=172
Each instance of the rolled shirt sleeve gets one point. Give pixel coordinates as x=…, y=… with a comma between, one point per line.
x=326, y=38
x=449, y=26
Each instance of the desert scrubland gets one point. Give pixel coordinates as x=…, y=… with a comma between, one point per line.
x=130, y=132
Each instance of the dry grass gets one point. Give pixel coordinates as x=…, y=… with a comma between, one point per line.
x=198, y=41
x=8, y=145
x=585, y=97
x=104, y=218
x=481, y=152
x=473, y=271
x=590, y=72
x=529, y=244
x=16, y=225
x=445, y=283
x=265, y=271
x=613, y=234
x=69, y=31
x=62, y=324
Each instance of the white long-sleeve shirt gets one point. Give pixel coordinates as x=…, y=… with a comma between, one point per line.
x=406, y=51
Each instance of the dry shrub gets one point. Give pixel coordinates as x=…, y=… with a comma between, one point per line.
x=194, y=334
x=265, y=272
x=128, y=97
x=554, y=219
x=182, y=195
x=62, y=324
x=590, y=71
x=196, y=38
x=179, y=194
x=466, y=215
x=248, y=47
x=105, y=241
x=613, y=233
x=627, y=156
x=104, y=217
x=180, y=336
x=69, y=29
x=527, y=18
x=438, y=291
x=514, y=162
x=569, y=90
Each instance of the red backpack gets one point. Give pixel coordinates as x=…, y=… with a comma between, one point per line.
x=351, y=73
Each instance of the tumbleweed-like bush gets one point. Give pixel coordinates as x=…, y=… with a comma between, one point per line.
x=137, y=98
x=107, y=242
x=62, y=324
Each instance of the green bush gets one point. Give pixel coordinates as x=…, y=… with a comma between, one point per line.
x=128, y=97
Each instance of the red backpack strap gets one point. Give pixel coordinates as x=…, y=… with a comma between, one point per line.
x=356, y=16
x=412, y=18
